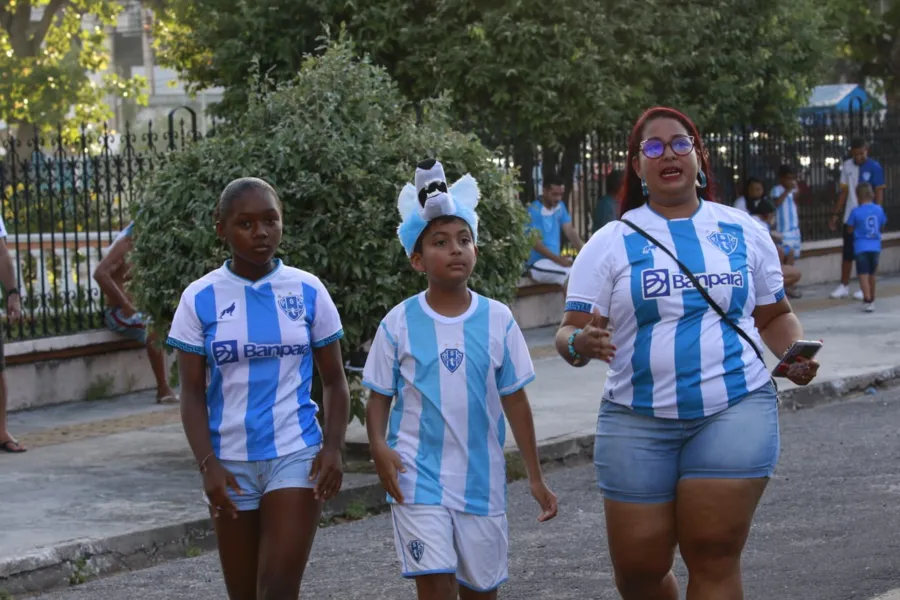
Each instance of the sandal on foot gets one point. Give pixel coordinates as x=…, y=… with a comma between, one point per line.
x=13, y=447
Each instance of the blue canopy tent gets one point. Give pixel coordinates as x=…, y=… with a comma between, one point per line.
x=839, y=98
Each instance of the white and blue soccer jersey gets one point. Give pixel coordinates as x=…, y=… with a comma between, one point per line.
x=258, y=337
x=448, y=375
x=787, y=220
x=675, y=356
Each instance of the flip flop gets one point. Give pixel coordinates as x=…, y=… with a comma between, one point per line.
x=12, y=446
x=170, y=399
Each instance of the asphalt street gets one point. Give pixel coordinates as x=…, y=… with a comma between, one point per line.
x=827, y=529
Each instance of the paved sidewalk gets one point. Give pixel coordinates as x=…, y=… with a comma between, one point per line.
x=120, y=469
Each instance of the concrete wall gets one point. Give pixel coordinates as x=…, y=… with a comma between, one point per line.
x=63, y=375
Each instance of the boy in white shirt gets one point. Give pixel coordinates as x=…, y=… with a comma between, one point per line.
x=456, y=362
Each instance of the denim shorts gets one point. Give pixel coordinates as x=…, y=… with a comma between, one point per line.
x=867, y=263
x=258, y=478
x=640, y=459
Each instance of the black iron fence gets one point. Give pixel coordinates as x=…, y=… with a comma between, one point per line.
x=64, y=200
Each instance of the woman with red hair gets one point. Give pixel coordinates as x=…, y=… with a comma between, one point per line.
x=677, y=297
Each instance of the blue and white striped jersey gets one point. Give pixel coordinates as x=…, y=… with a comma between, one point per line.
x=448, y=375
x=257, y=337
x=675, y=357
x=787, y=220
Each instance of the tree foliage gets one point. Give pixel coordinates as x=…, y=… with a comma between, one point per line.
x=337, y=142
x=47, y=55
x=870, y=39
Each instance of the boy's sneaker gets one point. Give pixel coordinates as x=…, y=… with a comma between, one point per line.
x=841, y=291
x=858, y=295
x=869, y=307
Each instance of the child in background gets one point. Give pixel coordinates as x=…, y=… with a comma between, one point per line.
x=787, y=219
x=764, y=211
x=456, y=362
x=865, y=223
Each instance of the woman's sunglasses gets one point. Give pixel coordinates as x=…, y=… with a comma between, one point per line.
x=655, y=147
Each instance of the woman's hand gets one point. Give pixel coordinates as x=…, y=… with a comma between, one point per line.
x=802, y=371
x=216, y=481
x=594, y=342
x=328, y=468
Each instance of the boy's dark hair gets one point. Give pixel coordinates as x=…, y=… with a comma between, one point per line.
x=864, y=188
x=763, y=207
x=786, y=170
x=857, y=142
x=614, y=182
x=236, y=189
x=553, y=180
x=417, y=249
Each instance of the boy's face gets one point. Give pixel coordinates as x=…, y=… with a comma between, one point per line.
x=789, y=181
x=448, y=253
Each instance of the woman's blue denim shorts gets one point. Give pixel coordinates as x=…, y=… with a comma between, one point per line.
x=640, y=459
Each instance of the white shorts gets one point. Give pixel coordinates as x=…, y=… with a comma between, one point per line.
x=547, y=271
x=434, y=539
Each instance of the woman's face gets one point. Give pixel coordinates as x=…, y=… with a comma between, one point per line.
x=755, y=190
x=252, y=227
x=672, y=176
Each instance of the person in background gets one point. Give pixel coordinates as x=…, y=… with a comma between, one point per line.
x=14, y=313
x=754, y=191
x=859, y=168
x=787, y=219
x=865, y=223
x=549, y=216
x=121, y=316
x=764, y=212
x=607, y=207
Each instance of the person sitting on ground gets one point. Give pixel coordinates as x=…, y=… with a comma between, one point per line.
x=764, y=212
x=754, y=191
x=122, y=317
x=549, y=216
x=865, y=222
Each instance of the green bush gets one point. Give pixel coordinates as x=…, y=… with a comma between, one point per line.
x=338, y=143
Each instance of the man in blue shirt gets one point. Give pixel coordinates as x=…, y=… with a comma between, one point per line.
x=865, y=224
x=855, y=170
x=550, y=217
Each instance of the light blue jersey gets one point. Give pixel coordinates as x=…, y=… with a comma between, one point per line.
x=258, y=337
x=787, y=220
x=676, y=358
x=448, y=375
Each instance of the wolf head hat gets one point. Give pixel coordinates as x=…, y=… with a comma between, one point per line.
x=430, y=198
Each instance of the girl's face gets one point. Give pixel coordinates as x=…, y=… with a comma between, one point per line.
x=755, y=191
x=252, y=227
x=672, y=175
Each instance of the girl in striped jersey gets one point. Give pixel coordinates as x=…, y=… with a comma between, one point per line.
x=687, y=436
x=248, y=336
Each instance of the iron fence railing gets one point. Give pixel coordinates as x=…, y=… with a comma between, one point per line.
x=64, y=200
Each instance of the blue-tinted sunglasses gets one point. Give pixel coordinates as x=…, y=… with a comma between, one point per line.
x=655, y=147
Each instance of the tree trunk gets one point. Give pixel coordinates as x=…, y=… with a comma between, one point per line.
x=523, y=155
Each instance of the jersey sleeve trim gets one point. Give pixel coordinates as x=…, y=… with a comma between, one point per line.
x=378, y=389
x=339, y=334
x=522, y=382
x=185, y=346
x=579, y=306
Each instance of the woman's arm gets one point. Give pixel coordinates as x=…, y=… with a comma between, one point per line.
x=195, y=420
x=328, y=465
x=778, y=326
x=593, y=341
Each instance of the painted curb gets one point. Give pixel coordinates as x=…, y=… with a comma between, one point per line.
x=70, y=564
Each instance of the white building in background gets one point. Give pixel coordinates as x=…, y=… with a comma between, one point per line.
x=131, y=49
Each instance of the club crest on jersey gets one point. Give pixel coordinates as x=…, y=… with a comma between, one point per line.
x=452, y=358
x=725, y=242
x=866, y=176
x=291, y=306
x=417, y=549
